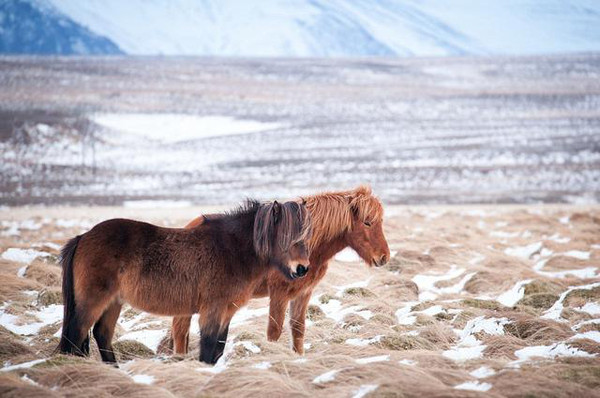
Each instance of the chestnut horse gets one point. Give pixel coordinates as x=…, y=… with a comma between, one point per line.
x=211, y=269
x=339, y=219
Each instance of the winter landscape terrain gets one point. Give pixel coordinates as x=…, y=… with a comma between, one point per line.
x=497, y=301
x=488, y=167
x=213, y=131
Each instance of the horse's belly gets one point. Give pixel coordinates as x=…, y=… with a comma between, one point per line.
x=161, y=298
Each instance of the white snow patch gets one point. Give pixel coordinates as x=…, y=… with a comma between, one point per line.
x=408, y=362
x=583, y=273
x=347, y=255
x=25, y=256
x=549, y=351
x=364, y=389
x=341, y=289
x=590, y=308
x=524, y=252
x=589, y=322
x=403, y=314
x=407, y=317
x=149, y=338
x=51, y=245
x=21, y=271
x=503, y=234
x=512, y=296
x=326, y=377
x=13, y=227
x=262, y=365
x=464, y=353
x=473, y=386
x=477, y=259
x=249, y=346
x=428, y=290
x=592, y=335
x=46, y=316
x=378, y=358
x=143, y=379
x=364, y=342
x=244, y=314
x=30, y=381
x=482, y=372
x=468, y=346
x=24, y=365
x=72, y=223
x=556, y=309
x=156, y=204
x=333, y=309
x=171, y=128
x=559, y=239
x=578, y=254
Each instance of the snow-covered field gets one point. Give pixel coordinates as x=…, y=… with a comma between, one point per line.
x=212, y=131
x=501, y=300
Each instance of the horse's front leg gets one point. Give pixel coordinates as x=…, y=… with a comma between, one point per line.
x=210, y=327
x=221, y=341
x=213, y=334
x=277, y=305
x=298, y=309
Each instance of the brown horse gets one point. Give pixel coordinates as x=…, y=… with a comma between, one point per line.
x=211, y=269
x=339, y=219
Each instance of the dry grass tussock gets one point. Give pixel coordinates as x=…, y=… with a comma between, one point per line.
x=451, y=307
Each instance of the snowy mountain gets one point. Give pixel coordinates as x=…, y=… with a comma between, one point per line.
x=28, y=27
x=335, y=27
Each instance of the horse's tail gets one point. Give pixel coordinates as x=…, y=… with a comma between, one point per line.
x=70, y=331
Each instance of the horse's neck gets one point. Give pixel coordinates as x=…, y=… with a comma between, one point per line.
x=324, y=251
x=241, y=232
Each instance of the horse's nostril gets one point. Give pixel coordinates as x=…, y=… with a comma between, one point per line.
x=383, y=259
x=301, y=270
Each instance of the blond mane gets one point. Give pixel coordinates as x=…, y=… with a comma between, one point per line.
x=331, y=212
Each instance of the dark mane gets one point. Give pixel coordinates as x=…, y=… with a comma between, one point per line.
x=274, y=224
x=248, y=207
x=279, y=225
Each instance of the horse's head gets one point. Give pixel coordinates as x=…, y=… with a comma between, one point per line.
x=281, y=231
x=365, y=234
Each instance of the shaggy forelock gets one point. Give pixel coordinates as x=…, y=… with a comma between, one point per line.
x=293, y=226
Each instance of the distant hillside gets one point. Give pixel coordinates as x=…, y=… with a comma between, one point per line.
x=312, y=28
x=28, y=27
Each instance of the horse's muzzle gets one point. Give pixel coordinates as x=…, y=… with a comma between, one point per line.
x=380, y=261
x=301, y=271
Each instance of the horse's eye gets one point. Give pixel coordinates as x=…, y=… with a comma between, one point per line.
x=368, y=224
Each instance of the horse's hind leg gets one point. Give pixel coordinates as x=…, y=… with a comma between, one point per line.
x=104, y=330
x=181, y=334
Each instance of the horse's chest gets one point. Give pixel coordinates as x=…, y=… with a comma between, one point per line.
x=309, y=282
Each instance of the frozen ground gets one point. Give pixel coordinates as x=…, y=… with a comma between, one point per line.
x=212, y=131
x=476, y=300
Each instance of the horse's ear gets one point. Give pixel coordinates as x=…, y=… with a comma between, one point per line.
x=303, y=201
x=352, y=204
x=276, y=211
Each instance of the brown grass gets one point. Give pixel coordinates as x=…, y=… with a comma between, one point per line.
x=537, y=330
x=451, y=238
